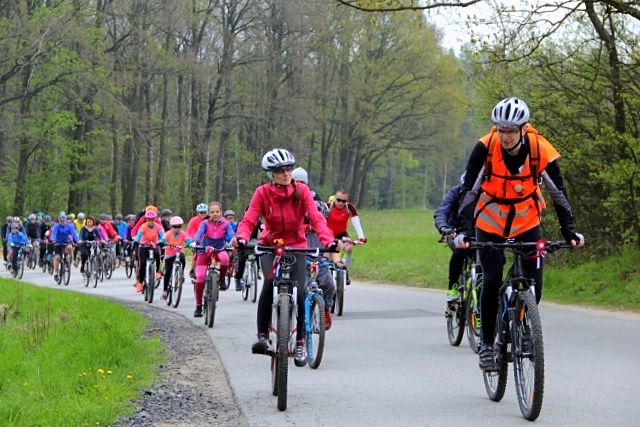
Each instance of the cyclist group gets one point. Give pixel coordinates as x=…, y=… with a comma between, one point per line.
x=284, y=208
x=499, y=199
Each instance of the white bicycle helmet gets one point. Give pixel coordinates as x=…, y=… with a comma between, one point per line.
x=277, y=157
x=300, y=175
x=81, y=215
x=228, y=212
x=202, y=207
x=510, y=112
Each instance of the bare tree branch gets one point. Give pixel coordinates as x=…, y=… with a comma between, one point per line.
x=399, y=5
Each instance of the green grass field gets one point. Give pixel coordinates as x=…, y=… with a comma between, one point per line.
x=402, y=248
x=68, y=359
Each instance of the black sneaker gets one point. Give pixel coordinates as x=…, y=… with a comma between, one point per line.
x=223, y=284
x=198, y=312
x=81, y=269
x=486, y=361
x=261, y=346
x=56, y=277
x=348, y=279
x=300, y=358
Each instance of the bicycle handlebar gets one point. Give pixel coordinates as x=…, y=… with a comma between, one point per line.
x=279, y=250
x=541, y=245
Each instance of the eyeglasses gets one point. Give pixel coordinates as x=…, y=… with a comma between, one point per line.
x=510, y=131
x=176, y=226
x=283, y=169
x=341, y=200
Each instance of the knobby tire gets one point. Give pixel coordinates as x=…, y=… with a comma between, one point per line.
x=176, y=286
x=282, y=365
x=315, y=338
x=528, y=369
x=495, y=383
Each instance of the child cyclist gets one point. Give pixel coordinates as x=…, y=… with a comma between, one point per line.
x=149, y=234
x=15, y=239
x=214, y=232
x=324, y=278
x=174, y=237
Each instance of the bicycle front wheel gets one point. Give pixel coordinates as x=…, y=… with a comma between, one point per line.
x=341, y=283
x=253, y=267
x=150, y=280
x=528, y=356
x=67, y=271
x=473, y=318
x=282, y=352
x=128, y=268
x=176, y=286
x=316, y=331
x=86, y=275
x=455, y=322
x=108, y=267
x=95, y=271
x=20, y=268
x=211, y=297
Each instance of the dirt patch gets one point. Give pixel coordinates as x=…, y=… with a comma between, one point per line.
x=193, y=389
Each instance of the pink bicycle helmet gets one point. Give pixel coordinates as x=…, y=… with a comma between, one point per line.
x=176, y=220
x=150, y=215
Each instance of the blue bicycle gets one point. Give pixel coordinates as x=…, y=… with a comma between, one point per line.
x=314, y=308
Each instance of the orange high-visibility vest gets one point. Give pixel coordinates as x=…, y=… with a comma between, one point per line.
x=511, y=204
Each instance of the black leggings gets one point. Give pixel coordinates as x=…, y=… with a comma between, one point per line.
x=168, y=266
x=492, y=269
x=266, y=295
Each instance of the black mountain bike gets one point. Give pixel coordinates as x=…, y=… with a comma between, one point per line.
x=519, y=329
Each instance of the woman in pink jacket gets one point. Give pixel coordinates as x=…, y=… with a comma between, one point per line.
x=283, y=204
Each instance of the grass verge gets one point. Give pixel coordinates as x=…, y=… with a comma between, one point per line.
x=402, y=247
x=70, y=359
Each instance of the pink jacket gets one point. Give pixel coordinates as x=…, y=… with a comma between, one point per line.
x=283, y=219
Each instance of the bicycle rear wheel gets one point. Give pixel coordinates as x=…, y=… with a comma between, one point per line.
x=315, y=337
x=495, y=382
x=528, y=356
x=282, y=352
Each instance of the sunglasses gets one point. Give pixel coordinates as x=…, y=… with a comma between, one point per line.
x=341, y=200
x=176, y=226
x=283, y=169
x=202, y=213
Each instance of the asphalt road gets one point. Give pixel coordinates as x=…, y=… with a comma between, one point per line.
x=387, y=362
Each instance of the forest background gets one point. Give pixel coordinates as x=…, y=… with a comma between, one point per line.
x=107, y=106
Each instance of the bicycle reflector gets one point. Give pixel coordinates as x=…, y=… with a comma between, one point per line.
x=541, y=245
x=279, y=250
